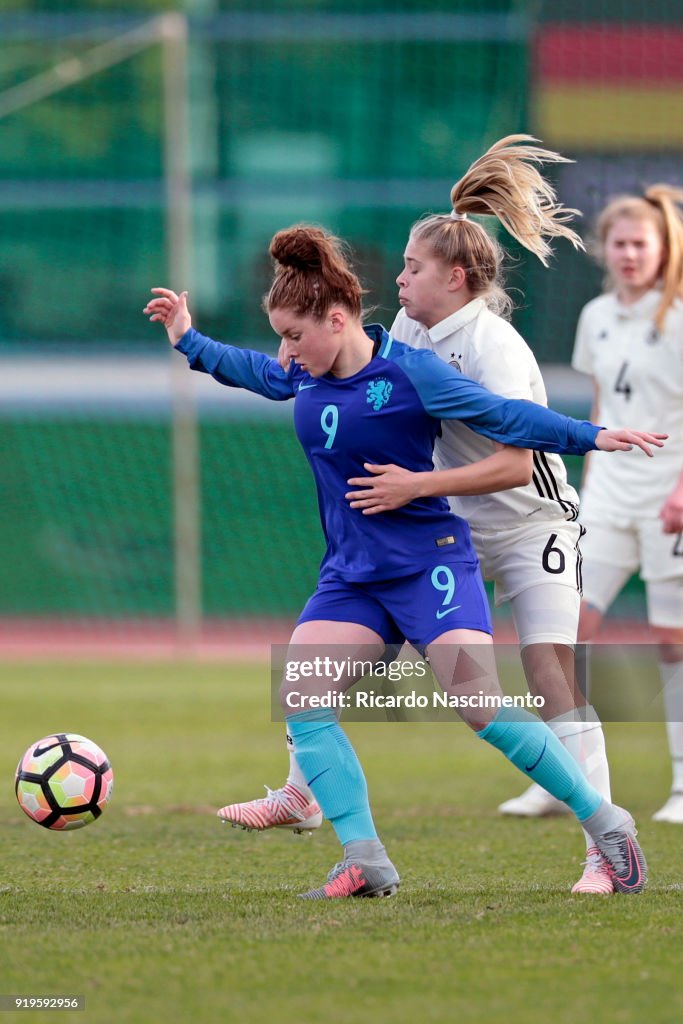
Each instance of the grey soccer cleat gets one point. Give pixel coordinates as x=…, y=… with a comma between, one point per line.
x=351, y=878
x=625, y=859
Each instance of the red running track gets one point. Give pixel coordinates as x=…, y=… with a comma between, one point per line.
x=37, y=639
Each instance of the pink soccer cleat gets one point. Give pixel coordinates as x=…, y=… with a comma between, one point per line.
x=597, y=875
x=281, y=808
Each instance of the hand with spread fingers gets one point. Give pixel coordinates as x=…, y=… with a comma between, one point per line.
x=624, y=440
x=171, y=310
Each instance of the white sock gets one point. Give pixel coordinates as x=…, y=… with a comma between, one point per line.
x=296, y=777
x=672, y=682
x=580, y=732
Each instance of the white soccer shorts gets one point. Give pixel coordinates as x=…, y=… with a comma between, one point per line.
x=537, y=567
x=613, y=552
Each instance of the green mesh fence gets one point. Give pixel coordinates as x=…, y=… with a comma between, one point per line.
x=91, y=533
x=356, y=115
x=88, y=499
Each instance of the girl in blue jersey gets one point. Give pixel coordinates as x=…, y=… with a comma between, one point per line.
x=525, y=534
x=360, y=397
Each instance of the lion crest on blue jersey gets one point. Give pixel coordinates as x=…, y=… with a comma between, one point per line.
x=379, y=392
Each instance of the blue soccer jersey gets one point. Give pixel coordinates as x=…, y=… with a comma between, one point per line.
x=388, y=412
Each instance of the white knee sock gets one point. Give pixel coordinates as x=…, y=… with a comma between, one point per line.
x=584, y=739
x=296, y=777
x=672, y=682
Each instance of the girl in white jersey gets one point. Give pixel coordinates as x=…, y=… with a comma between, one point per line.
x=526, y=539
x=630, y=340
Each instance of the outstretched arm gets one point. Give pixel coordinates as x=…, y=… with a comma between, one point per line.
x=391, y=486
x=235, y=367
x=447, y=394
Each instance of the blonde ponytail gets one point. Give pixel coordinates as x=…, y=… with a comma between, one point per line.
x=503, y=183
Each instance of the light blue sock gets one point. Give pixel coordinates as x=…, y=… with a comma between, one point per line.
x=534, y=749
x=333, y=772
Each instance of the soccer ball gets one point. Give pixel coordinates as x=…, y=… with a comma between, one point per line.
x=63, y=781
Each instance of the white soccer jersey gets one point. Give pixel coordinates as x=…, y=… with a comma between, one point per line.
x=488, y=349
x=639, y=373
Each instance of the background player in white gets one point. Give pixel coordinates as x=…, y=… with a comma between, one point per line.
x=630, y=339
x=527, y=539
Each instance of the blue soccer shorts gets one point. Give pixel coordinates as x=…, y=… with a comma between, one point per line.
x=447, y=595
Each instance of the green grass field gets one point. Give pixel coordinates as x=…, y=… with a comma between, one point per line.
x=157, y=912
